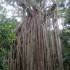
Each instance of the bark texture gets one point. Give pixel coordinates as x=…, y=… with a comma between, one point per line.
x=38, y=44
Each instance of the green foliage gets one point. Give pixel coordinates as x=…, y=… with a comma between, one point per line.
x=65, y=36
x=6, y=39
x=3, y=61
x=6, y=32
x=67, y=16
x=7, y=35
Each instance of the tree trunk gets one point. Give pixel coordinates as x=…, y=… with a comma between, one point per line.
x=35, y=48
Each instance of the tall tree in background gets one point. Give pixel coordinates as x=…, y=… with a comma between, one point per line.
x=33, y=49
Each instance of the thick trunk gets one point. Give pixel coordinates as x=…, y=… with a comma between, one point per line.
x=35, y=48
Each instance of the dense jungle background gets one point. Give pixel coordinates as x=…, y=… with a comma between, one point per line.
x=10, y=17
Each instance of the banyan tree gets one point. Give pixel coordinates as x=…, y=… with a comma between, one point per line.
x=38, y=45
